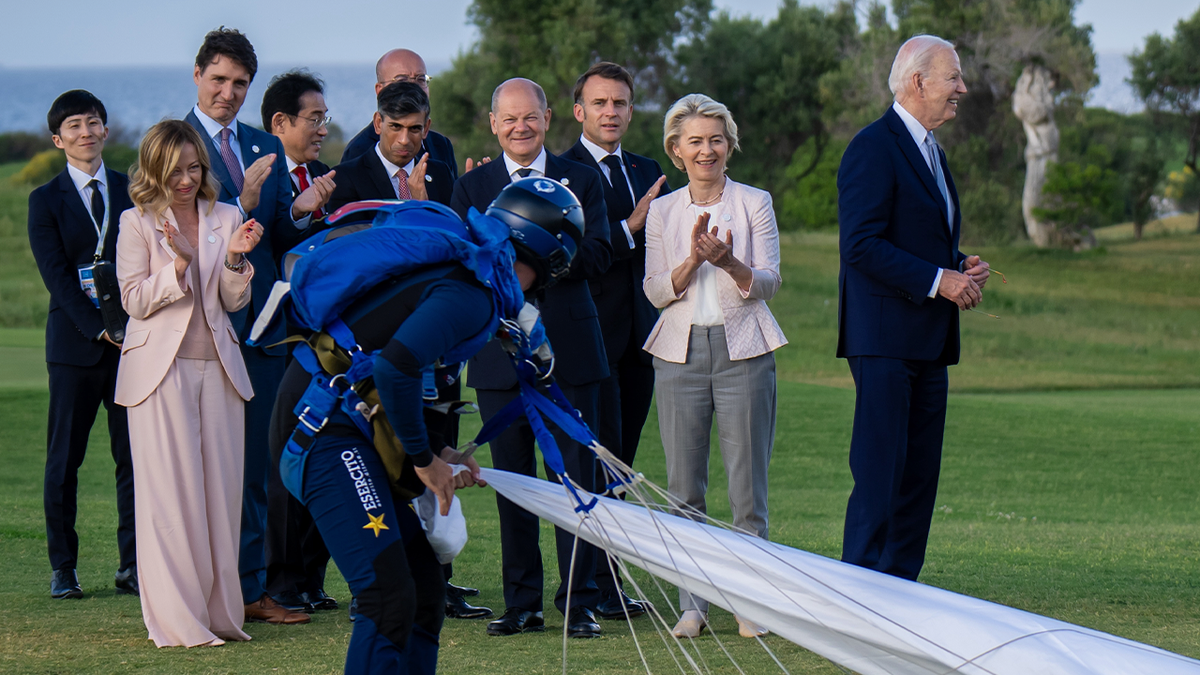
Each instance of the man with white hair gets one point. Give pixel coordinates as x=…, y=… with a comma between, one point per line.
x=901, y=287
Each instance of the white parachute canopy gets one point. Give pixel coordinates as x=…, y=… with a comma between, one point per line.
x=866, y=621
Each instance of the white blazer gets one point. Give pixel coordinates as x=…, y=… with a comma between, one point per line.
x=750, y=329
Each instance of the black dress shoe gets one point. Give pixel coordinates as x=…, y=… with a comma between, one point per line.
x=581, y=623
x=65, y=584
x=457, y=608
x=460, y=591
x=516, y=620
x=318, y=600
x=293, y=601
x=126, y=581
x=610, y=607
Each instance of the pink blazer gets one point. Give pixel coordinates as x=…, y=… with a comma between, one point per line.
x=151, y=293
x=750, y=329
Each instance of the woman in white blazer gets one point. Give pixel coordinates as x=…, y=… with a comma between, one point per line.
x=712, y=262
x=181, y=265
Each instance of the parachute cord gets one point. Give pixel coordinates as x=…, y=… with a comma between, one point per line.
x=570, y=586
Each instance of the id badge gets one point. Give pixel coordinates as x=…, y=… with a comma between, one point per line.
x=87, y=282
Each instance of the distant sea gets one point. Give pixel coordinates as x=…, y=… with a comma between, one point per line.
x=138, y=97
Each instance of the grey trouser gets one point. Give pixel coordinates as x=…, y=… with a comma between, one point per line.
x=742, y=395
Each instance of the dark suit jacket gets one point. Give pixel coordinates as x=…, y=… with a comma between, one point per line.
x=894, y=237
x=568, y=311
x=62, y=236
x=274, y=213
x=365, y=178
x=315, y=169
x=437, y=145
x=625, y=312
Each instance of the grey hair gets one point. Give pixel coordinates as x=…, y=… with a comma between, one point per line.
x=915, y=56
x=696, y=105
x=537, y=90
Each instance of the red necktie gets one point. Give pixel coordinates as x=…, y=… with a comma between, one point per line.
x=402, y=185
x=302, y=180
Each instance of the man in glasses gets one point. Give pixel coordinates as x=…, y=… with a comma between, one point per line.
x=293, y=109
x=402, y=65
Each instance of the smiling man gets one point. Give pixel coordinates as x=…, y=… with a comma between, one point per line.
x=294, y=111
x=902, y=284
x=396, y=168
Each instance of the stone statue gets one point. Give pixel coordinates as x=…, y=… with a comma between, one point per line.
x=1033, y=104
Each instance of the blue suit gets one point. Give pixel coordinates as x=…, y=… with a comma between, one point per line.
x=264, y=364
x=572, y=326
x=895, y=235
x=82, y=368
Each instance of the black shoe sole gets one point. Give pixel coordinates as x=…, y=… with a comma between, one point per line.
x=67, y=595
x=583, y=636
x=534, y=629
x=127, y=591
x=469, y=617
x=620, y=616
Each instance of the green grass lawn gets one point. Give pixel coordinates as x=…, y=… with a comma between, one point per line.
x=1069, y=483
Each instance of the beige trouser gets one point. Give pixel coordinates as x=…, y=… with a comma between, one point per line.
x=187, y=445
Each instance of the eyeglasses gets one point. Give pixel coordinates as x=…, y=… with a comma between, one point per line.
x=422, y=80
x=314, y=122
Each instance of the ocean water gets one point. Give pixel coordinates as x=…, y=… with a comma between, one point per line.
x=138, y=97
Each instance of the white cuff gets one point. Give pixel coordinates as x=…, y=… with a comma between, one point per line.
x=937, y=280
x=628, y=234
x=303, y=221
x=238, y=203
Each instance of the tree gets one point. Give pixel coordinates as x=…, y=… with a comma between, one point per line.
x=1077, y=195
x=1166, y=75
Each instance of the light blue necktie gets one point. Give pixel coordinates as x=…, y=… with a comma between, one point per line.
x=936, y=164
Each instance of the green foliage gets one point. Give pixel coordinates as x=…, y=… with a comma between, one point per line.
x=1145, y=173
x=45, y=165
x=1166, y=77
x=809, y=199
x=1079, y=195
x=19, y=146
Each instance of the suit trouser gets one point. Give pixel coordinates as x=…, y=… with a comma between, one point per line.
x=76, y=393
x=895, y=458
x=266, y=372
x=625, y=397
x=381, y=550
x=513, y=450
x=187, y=454
x=742, y=396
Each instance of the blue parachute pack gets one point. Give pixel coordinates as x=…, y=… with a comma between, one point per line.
x=329, y=271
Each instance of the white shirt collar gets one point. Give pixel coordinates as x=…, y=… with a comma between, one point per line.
x=81, y=179
x=390, y=168
x=599, y=153
x=212, y=127
x=292, y=165
x=918, y=130
x=538, y=165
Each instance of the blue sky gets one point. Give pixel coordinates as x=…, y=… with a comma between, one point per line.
x=150, y=32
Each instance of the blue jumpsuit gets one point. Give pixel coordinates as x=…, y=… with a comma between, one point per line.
x=373, y=536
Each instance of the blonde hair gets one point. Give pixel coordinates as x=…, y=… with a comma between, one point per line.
x=157, y=158
x=695, y=105
x=915, y=56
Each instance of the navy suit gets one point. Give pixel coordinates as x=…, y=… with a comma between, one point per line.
x=437, y=145
x=82, y=368
x=573, y=328
x=264, y=364
x=895, y=235
x=365, y=178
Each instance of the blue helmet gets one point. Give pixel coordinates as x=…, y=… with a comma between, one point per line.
x=545, y=224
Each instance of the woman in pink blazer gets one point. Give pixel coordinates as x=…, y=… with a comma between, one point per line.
x=181, y=265
x=714, y=341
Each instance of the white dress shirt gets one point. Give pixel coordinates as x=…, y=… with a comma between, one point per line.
x=81, y=180
x=919, y=133
x=538, y=166
x=392, y=169
x=707, y=310
x=598, y=154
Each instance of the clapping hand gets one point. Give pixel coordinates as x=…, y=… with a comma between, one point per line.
x=416, y=179
x=637, y=219
x=315, y=196
x=244, y=239
x=172, y=234
x=252, y=181
x=471, y=163
x=715, y=251
x=699, y=231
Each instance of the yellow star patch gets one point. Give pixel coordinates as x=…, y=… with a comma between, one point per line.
x=375, y=524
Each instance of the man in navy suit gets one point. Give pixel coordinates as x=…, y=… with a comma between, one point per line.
x=604, y=106
x=244, y=162
x=396, y=168
x=402, y=65
x=294, y=111
x=902, y=284
x=519, y=118
x=67, y=218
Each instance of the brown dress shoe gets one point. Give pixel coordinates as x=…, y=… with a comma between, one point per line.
x=266, y=610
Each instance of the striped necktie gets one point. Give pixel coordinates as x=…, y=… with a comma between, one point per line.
x=231, y=161
x=935, y=157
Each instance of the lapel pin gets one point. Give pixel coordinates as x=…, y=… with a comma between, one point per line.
x=212, y=239
x=428, y=178
x=254, y=149
x=565, y=181
x=727, y=217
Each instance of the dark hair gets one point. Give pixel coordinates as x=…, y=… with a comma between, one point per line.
x=227, y=42
x=400, y=99
x=608, y=71
x=71, y=103
x=284, y=92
